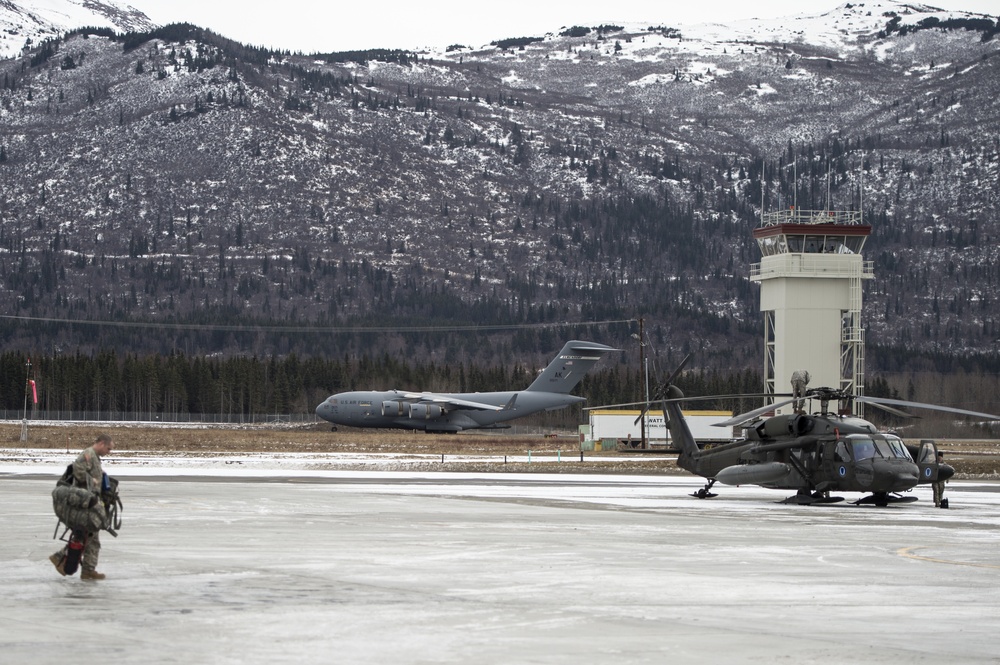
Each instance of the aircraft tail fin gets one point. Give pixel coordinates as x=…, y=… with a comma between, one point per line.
x=568, y=368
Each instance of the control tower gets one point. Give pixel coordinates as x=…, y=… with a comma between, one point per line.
x=810, y=294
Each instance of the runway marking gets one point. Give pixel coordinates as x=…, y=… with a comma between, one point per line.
x=908, y=552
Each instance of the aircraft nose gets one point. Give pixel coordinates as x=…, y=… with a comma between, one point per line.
x=322, y=410
x=895, y=477
x=945, y=471
x=903, y=479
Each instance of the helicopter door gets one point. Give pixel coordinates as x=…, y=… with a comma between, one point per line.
x=927, y=461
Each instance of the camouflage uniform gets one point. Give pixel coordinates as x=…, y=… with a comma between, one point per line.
x=938, y=485
x=800, y=379
x=88, y=474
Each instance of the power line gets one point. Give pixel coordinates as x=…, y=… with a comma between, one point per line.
x=329, y=330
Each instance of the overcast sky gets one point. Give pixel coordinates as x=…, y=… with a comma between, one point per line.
x=311, y=26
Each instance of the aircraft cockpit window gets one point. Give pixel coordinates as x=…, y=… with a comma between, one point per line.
x=885, y=449
x=898, y=448
x=841, y=454
x=863, y=449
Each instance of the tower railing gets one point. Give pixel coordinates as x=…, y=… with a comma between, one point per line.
x=812, y=265
x=794, y=216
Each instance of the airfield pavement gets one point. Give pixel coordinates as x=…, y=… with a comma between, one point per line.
x=294, y=564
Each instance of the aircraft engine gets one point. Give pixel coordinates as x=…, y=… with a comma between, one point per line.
x=393, y=409
x=797, y=425
x=425, y=411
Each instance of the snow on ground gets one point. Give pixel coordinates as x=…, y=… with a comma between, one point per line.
x=142, y=463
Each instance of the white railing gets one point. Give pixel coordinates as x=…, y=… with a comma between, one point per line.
x=848, y=217
x=812, y=265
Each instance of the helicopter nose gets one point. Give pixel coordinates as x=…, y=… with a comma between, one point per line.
x=895, y=477
x=945, y=471
x=903, y=479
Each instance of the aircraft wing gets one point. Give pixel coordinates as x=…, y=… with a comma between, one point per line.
x=434, y=398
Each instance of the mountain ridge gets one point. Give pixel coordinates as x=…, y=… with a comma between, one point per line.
x=24, y=25
x=183, y=177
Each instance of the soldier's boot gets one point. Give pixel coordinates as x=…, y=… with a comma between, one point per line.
x=57, y=561
x=91, y=575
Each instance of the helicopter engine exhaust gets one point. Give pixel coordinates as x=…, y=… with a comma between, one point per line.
x=753, y=474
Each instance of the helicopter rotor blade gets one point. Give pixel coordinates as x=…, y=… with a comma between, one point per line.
x=881, y=401
x=887, y=408
x=662, y=388
x=751, y=415
x=677, y=372
x=613, y=406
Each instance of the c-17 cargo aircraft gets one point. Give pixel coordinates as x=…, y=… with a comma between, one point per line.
x=454, y=412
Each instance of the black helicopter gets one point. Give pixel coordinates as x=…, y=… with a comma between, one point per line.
x=813, y=454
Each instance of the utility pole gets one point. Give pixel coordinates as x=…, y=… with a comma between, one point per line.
x=645, y=382
x=27, y=387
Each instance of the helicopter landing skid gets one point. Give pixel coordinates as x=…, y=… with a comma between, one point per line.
x=883, y=500
x=814, y=499
x=706, y=491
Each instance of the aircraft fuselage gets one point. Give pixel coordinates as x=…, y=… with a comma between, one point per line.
x=454, y=412
x=393, y=409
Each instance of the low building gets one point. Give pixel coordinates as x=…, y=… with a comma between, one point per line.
x=619, y=428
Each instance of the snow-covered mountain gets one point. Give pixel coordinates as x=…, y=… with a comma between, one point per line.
x=28, y=23
x=602, y=173
x=847, y=29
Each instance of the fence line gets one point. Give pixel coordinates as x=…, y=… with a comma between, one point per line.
x=41, y=417
x=158, y=417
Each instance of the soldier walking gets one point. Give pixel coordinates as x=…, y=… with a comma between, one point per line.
x=89, y=475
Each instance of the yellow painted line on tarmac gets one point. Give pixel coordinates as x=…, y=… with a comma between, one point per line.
x=908, y=553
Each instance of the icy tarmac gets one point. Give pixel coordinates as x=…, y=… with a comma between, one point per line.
x=234, y=565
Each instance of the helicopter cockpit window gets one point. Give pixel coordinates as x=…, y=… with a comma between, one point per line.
x=841, y=454
x=886, y=449
x=898, y=448
x=862, y=449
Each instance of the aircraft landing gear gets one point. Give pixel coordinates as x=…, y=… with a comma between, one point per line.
x=883, y=499
x=706, y=491
x=807, y=498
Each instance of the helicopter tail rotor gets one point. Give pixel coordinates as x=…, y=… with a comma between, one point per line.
x=661, y=390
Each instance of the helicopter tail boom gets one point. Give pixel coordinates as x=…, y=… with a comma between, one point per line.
x=680, y=433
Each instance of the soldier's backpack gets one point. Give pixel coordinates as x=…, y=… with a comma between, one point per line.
x=83, y=512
